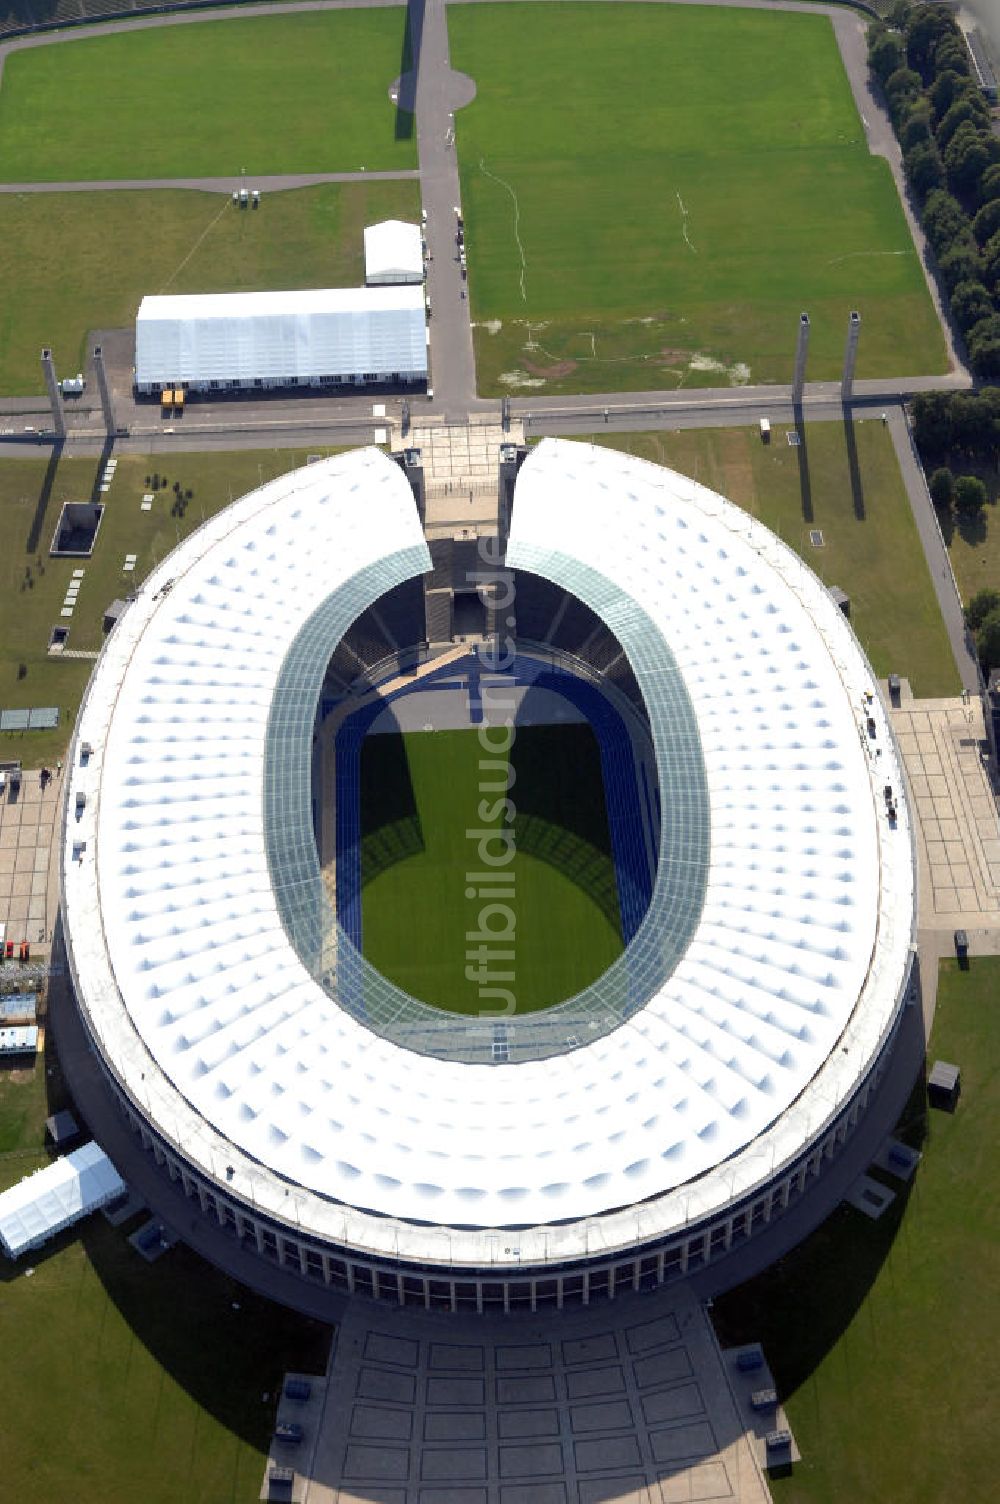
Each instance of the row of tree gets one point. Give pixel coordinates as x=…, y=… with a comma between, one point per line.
x=982, y=617
x=952, y=160
x=951, y=426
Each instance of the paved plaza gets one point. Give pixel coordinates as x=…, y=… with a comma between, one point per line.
x=944, y=747
x=26, y=824
x=627, y=1402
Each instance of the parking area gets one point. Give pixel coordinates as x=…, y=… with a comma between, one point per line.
x=27, y=814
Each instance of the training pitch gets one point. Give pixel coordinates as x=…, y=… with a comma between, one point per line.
x=273, y=94
x=420, y=793
x=653, y=194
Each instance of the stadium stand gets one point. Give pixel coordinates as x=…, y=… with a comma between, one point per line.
x=21, y=17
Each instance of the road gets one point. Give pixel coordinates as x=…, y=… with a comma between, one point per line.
x=274, y=184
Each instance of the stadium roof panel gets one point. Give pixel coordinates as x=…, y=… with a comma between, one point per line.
x=222, y=1038
x=281, y=336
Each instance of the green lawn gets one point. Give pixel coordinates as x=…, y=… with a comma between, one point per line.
x=871, y=547
x=419, y=794
x=32, y=585
x=882, y=1335
x=76, y=262
x=274, y=94
x=131, y=1381
x=683, y=182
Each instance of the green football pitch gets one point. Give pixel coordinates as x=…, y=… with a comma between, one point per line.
x=654, y=193
x=420, y=793
x=272, y=94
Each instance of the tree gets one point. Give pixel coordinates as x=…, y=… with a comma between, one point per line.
x=984, y=350
x=989, y=184
x=885, y=54
x=988, y=641
x=901, y=87
x=967, y=109
x=970, y=302
x=915, y=125
x=991, y=260
x=945, y=90
x=932, y=422
x=926, y=26
x=987, y=221
x=951, y=56
x=942, y=488
x=965, y=158
x=924, y=168
x=961, y=264
x=980, y=607
x=970, y=496
x=945, y=221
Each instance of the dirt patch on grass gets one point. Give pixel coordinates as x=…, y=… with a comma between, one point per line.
x=552, y=373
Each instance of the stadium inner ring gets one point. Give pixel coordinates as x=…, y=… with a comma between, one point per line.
x=331, y=956
x=206, y=1021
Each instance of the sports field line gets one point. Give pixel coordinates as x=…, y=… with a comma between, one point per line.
x=684, y=226
x=206, y=231
x=836, y=260
x=517, y=216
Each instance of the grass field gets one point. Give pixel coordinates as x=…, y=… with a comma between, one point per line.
x=850, y=489
x=653, y=194
x=123, y=1380
x=419, y=794
x=882, y=1335
x=274, y=94
x=31, y=493
x=76, y=262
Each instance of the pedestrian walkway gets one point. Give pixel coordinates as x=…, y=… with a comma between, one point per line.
x=27, y=818
x=628, y=1401
x=944, y=748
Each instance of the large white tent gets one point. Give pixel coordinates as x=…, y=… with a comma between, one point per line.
x=279, y=339
x=393, y=253
x=41, y=1205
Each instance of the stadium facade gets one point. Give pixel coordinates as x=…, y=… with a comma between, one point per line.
x=368, y=1142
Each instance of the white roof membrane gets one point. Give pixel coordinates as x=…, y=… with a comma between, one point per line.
x=281, y=336
x=198, y=1001
x=53, y=1198
x=393, y=252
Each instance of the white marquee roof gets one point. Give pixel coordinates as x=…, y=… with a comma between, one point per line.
x=246, y=336
x=42, y=1204
x=393, y=249
x=224, y=1039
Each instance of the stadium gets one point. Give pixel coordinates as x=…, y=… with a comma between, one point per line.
x=749, y=852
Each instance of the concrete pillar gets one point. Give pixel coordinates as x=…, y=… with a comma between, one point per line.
x=850, y=357
x=801, y=351
x=55, y=395
x=105, y=391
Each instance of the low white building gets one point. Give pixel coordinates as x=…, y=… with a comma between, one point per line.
x=394, y=253
x=319, y=337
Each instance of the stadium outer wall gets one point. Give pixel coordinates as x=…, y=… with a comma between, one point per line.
x=271, y=1243
x=349, y=1271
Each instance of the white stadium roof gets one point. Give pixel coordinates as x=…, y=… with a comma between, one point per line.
x=281, y=336
x=227, y=1043
x=393, y=252
x=42, y=1204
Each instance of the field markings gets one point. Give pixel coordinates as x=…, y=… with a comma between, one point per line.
x=206, y=231
x=684, y=226
x=517, y=217
x=836, y=260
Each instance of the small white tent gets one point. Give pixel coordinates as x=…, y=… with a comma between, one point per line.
x=393, y=253
x=62, y=1193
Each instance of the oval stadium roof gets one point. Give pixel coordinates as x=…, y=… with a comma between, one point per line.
x=222, y=1037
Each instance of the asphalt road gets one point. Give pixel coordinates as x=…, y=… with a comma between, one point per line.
x=213, y=185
